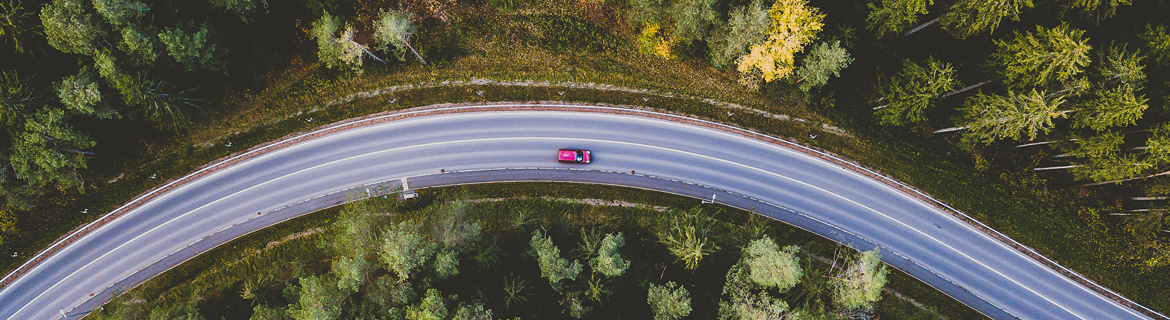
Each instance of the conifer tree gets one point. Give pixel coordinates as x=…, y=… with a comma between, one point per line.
x=746, y=26
x=1038, y=59
x=692, y=18
x=914, y=90
x=967, y=18
x=1016, y=116
x=894, y=16
x=821, y=62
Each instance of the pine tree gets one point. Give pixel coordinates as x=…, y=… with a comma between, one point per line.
x=18, y=26
x=1158, y=42
x=120, y=12
x=1049, y=55
x=1015, y=116
x=894, y=16
x=46, y=153
x=70, y=27
x=967, y=18
x=195, y=50
x=914, y=90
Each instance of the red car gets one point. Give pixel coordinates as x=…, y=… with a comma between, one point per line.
x=573, y=156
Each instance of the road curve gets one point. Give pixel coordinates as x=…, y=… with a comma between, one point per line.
x=478, y=147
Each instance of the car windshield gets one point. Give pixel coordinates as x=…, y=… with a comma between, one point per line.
x=580, y=156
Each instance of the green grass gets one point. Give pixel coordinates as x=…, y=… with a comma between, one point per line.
x=218, y=276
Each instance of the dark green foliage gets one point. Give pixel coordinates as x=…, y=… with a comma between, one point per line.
x=692, y=18
x=194, y=50
x=894, y=16
x=120, y=12
x=1038, y=59
x=71, y=27
x=967, y=18
x=914, y=90
x=746, y=26
x=319, y=299
x=669, y=301
x=47, y=153
x=1016, y=116
x=17, y=26
x=1157, y=39
x=552, y=266
x=821, y=62
x=139, y=46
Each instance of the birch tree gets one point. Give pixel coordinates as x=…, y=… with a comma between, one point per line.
x=669, y=301
x=195, y=50
x=794, y=25
x=967, y=18
x=337, y=51
x=1037, y=59
x=914, y=90
x=608, y=261
x=552, y=266
x=894, y=16
x=771, y=267
x=860, y=285
x=1015, y=116
x=395, y=28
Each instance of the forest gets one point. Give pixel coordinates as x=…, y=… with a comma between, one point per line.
x=1045, y=119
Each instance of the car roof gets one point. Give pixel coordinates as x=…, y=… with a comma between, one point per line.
x=567, y=154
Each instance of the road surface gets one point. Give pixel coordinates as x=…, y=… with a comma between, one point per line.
x=476, y=147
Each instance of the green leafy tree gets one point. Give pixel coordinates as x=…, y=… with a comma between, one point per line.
x=452, y=228
x=263, y=312
x=337, y=51
x=472, y=312
x=1015, y=116
x=746, y=26
x=1101, y=158
x=17, y=98
x=914, y=90
x=446, y=264
x=820, y=62
x=318, y=300
x=138, y=46
x=404, y=251
x=860, y=284
x=120, y=12
x=745, y=301
x=7, y=222
x=692, y=18
x=18, y=26
x=608, y=261
x=1158, y=42
x=195, y=50
x=432, y=307
x=770, y=267
x=552, y=266
x=970, y=17
x=239, y=7
x=47, y=151
x=71, y=28
x=894, y=16
x=82, y=95
x=394, y=29
x=794, y=25
x=669, y=301
x=350, y=272
x=1037, y=59
x=685, y=235
x=159, y=102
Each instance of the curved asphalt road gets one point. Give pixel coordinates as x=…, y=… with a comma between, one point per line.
x=519, y=146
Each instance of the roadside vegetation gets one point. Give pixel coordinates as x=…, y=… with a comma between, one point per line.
x=453, y=255
x=1043, y=119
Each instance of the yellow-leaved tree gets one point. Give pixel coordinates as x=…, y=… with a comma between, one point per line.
x=794, y=26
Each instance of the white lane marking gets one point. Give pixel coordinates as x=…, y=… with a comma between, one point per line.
x=546, y=138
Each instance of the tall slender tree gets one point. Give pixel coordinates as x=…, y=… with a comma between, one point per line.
x=692, y=18
x=395, y=28
x=894, y=16
x=821, y=62
x=1038, y=59
x=746, y=26
x=1016, y=116
x=18, y=26
x=967, y=18
x=71, y=27
x=914, y=90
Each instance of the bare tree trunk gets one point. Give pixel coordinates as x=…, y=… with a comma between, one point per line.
x=878, y=107
x=964, y=89
x=372, y=55
x=1124, y=180
x=919, y=27
x=1054, y=168
x=1149, y=198
x=950, y=129
x=1042, y=143
x=424, y=61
